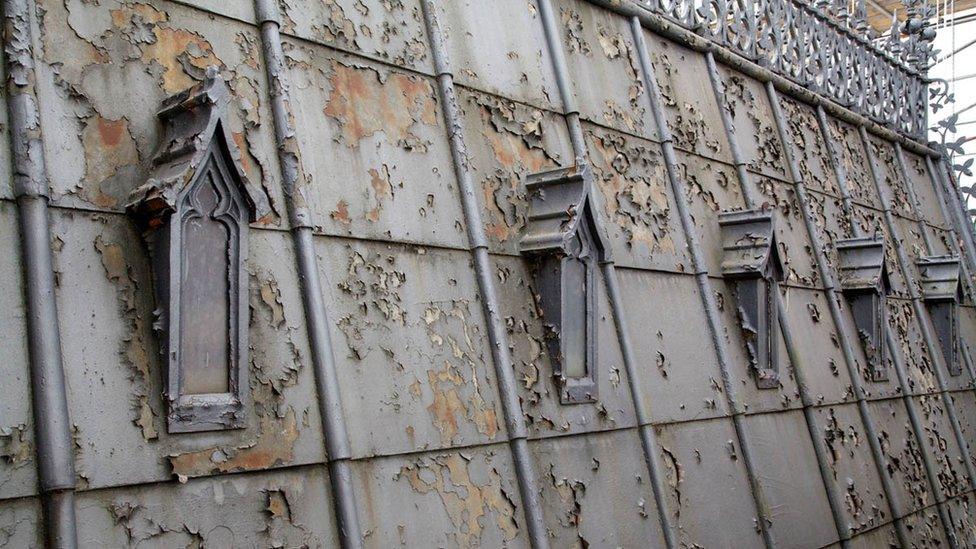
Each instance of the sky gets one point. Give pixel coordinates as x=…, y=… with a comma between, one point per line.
x=956, y=69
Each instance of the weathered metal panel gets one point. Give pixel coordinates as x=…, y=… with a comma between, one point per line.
x=752, y=117
x=499, y=47
x=636, y=202
x=17, y=469
x=270, y=509
x=831, y=223
x=707, y=485
x=965, y=404
x=940, y=443
x=20, y=523
x=872, y=539
x=693, y=116
x=843, y=434
x=963, y=520
x=242, y=11
x=374, y=148
x=465, y=498
x=410, y=344
x=100, y=295
x=102, y=64
x=392, y=32
x=538, y=390
x=787, y=471
x=926, y=530
x=893, y=184
x=811, y=152
x=710, y=188
x=822, y=359
x=403, y=296
x=903, y=459
x=848, y=145
x=600, y=49
x=920, y=181
x=914, y=354
x=679, y=375
x=506, y=141
x=596, y=491
x=795, y=249
x=751, y=398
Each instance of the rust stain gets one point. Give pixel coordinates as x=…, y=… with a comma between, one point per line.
x=274, y=446
x=447, y=405
x=365, y=102
x=109, y=148
x=382, y=187
x=271, y=297
x=514, y=134
x=241, y=141
x=341, y=213
x=632, y=181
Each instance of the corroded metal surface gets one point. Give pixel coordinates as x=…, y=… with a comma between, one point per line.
x=400, y=390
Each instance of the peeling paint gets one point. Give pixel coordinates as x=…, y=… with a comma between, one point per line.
x=365, y=102
x=468, y=504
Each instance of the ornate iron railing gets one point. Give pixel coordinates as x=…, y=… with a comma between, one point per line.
x=827, y=47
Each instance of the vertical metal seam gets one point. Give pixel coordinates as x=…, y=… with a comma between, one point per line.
x=526, y=477
x=899, y=364
x=924, y=321
x=705, y=289
x=293, y=182
x=54, y=445
x=648, y=438
x=827, y=279
x=914, y=205
x=751, y=198
x=834, y=499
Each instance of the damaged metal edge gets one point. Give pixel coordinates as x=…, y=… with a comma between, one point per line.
x=834, y=498
x=323, y=358
x=894, y=504
x=648, y=438
x=52, y=425
x=663, y=27
x=925, y=322
x=528, y=484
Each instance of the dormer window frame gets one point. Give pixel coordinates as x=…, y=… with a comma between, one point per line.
x=941, y=287
x=865, y=284
x=194, y=211
x=752, y=264
x=563, y=233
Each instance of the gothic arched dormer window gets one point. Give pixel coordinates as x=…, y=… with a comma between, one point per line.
x=752, y=264
x=194, y=211
x=865, y=284
x=565, y=245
